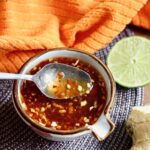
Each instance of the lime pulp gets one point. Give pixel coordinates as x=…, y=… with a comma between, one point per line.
x=129, y=61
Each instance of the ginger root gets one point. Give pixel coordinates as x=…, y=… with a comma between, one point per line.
x=138, y=126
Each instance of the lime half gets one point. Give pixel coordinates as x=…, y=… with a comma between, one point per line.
x=129, y=61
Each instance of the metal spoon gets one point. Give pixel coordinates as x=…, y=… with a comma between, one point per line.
x=56, y=74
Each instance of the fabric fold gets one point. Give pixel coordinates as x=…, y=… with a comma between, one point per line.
x=39, y=25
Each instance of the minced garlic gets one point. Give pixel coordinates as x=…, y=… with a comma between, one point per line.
x=79, y=88
x=53, y=124
x=83, y=103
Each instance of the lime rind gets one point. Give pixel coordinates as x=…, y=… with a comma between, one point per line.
x=129, y=62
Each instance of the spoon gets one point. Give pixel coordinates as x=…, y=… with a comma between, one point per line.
x=57, y=80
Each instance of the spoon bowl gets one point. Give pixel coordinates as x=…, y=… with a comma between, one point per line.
x=53, y=79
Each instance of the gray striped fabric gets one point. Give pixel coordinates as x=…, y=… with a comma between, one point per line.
x=16, y=135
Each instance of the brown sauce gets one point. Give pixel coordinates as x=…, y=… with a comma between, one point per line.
x=65, y=114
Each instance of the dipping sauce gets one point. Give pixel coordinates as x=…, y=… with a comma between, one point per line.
x=70, y=113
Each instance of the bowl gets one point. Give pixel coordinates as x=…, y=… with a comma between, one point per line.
x=101, y=128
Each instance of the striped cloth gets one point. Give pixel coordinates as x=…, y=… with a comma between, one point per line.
x=16, y=135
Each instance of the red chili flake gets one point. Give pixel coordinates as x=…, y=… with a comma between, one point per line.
x=60, y=75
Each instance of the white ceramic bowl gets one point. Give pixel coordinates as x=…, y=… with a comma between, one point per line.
x=102, y=128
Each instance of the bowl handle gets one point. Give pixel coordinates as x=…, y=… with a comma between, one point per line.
x=102, y=128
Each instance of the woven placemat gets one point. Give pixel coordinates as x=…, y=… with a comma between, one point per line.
x=16, y=135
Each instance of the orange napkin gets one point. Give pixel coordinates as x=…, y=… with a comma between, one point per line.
x=28, y=27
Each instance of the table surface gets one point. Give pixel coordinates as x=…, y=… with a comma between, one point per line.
x=144, y=33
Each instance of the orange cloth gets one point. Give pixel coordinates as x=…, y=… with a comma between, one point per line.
x=142, y=19
x=28, y=27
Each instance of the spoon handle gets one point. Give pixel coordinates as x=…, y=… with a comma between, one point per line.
x=4, y=75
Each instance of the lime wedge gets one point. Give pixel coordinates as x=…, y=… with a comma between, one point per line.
x=129, y=61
